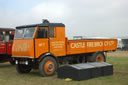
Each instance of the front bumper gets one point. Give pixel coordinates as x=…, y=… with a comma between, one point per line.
x=24, y=60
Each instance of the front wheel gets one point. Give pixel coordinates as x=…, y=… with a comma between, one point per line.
x=48, y=66
x=23, y=68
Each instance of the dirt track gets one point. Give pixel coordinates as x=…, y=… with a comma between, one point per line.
x=118, y=54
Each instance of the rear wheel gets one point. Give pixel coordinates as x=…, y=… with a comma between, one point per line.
x=48, y=66
x=97, y=57
x=81, y=59
x=23, y=68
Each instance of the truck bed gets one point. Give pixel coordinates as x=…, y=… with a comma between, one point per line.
x=88, y=46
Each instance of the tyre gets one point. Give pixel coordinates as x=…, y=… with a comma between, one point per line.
x=23, y=68
x=97, y=57
x=48, y=66
x=12, y=62
x=81, y=59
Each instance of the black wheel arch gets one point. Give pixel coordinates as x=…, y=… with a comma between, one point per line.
x=42, y=56
x=98, y=52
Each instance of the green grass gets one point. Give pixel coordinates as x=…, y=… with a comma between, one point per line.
x=9, y=76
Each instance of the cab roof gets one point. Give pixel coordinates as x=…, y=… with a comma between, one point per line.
x=45, y=23
x=6, y=29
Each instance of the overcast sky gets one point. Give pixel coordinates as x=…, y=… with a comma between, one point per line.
x=105, y=18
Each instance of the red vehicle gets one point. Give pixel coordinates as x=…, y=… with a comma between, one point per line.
x=6, y=40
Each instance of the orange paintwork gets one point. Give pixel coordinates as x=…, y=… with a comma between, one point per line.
x=87, y=46
x=73, y=49
x=110, y=44
x=23, y=48
x=59, y=45
x=41, y=46
x=49, y=67
x=36, y=30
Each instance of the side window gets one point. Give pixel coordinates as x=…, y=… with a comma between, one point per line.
x=1, y=36
x=51, y=31
x=42, y=33
x=11, y=37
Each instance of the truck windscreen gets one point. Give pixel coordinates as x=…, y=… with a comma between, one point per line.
x=25, y=33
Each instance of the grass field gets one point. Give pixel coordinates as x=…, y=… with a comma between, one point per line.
x=9, y=76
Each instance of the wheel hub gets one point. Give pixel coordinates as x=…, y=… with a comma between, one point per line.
x=50, y=67
x=99, y=59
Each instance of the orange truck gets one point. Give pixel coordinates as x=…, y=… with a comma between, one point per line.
x=44, y=46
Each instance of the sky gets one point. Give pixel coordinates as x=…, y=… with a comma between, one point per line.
x=96, y=18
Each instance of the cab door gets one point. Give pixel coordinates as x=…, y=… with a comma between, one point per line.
x=57, y=41
x=41, y=41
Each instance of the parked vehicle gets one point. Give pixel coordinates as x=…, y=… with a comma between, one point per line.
x=6, y=40
x=44, y=46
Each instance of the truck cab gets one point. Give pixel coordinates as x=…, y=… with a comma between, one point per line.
x=32, y=41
